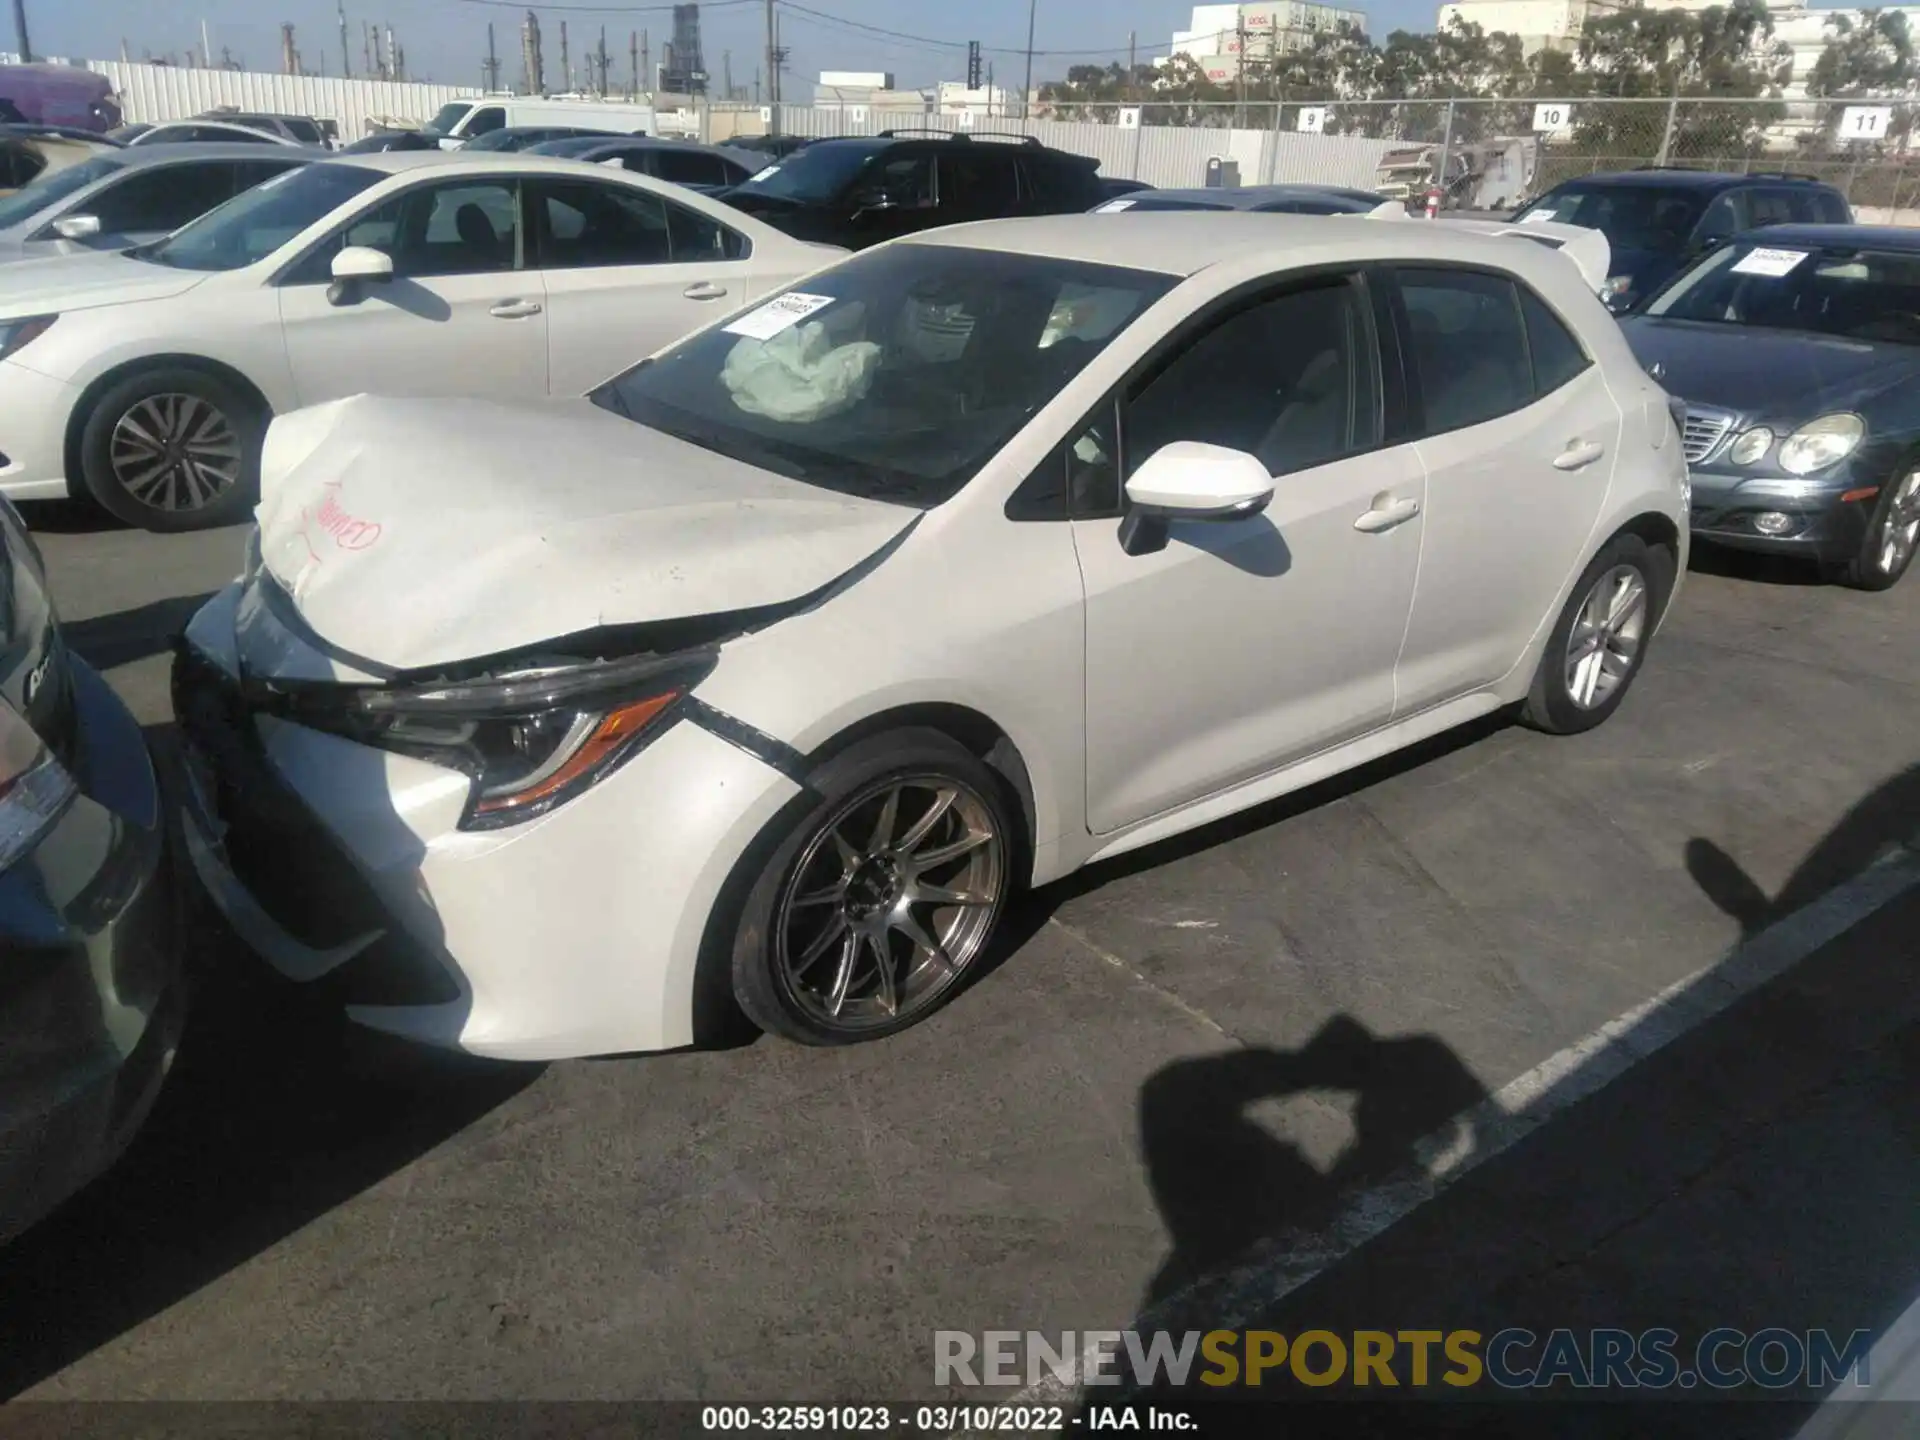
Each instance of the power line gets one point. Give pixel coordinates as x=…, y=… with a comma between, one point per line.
x=600, y=9
x=903, y=36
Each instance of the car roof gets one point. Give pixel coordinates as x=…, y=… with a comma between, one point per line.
x=1881, y=237
x=165, y=154
x=1010, y=143
x=1251, y=197
x=1185, y=242
x=1683, y=179
x=402, y=162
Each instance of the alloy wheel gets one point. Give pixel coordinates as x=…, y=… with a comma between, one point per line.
x=1607, y=634
x=1900, y=531
x=175, y=452
x=890, y=901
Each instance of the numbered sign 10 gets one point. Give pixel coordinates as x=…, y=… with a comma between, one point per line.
x=1553, y=117
x=1865, y=122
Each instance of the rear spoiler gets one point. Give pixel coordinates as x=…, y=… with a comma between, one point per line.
x=1588, y=249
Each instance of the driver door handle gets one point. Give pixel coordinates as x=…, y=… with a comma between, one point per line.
x=705, y=290
x=1578, y=453
x=1385, y=514
x=515, y=309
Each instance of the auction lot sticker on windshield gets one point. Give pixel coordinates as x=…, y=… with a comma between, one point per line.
x=1534, y=217
x=780, y=313
x=763, y=174
x=1762, y=261
x=1111, y=206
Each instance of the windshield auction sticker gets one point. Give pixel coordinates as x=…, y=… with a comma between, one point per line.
x=780, y=313
x=1762, y=261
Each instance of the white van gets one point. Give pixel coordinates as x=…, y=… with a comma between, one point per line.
x=464, y=120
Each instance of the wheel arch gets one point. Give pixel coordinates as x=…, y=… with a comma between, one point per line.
x=82, y=410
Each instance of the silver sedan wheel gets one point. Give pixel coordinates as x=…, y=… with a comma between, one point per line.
x=1607, y=634
x=175, y=452
x=890, y=902
x=1900, y=532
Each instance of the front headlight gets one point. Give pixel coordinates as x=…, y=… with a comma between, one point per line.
x=1751, y=446
x=531, y=738
x=16, y=335
x=1820, y=443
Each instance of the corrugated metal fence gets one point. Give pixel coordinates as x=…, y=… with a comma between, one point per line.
x=150, y=93
x=1161, y=155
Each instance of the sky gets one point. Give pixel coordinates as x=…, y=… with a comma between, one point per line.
x=446, y=40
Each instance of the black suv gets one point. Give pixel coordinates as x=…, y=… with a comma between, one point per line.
x=858, y=192
x=1660, y=219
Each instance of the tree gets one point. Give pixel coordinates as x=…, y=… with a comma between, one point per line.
x=1873, y=58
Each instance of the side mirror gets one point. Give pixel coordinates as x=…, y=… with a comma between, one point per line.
x=355, y=266
x=77, y=227
x=1191, y=480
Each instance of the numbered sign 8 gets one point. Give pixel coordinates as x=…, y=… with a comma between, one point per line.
x=1554, y=116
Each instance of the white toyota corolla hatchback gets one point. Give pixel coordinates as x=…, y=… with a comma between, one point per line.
x=758, y=680
x=143, y=378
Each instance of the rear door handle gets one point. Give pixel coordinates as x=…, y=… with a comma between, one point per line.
x=1386, y=513
x=1578, y=453
x=515, y=309
x=705, y=290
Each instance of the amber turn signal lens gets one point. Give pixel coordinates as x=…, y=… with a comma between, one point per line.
x=613, y=731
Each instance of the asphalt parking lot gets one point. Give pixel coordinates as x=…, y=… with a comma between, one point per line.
x=1194, y=1055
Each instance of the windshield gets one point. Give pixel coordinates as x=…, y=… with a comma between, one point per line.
x=897, y=374
x=448, y=117
x=816, y=174
x=1632, y=217
x=1859, y=294
x=252, y=225
x=48, y=190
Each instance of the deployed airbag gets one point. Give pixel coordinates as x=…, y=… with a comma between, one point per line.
x=799, y=376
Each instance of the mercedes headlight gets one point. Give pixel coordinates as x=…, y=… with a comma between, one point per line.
x=1751, y=446
x=1820, y=443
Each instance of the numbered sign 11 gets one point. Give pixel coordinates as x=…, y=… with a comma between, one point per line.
x=1865, y=122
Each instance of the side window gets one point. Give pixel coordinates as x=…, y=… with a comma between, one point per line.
x=1290, y=379
x=1830, y=209
x=163, y=198
x=1724, y=219
x=1557, y=356
x=904, y=180
x=18, y=166
x=977, y=186
x=689, y=167
x=1468, y=346
x=307, y=132
x=490, y=117
x=1771, y=207
x=467, y=228
x=582, y=226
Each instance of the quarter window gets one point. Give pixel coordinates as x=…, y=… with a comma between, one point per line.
x=1557, y=356
x=1468, y=346
x=689, y=167
x=1290, y=380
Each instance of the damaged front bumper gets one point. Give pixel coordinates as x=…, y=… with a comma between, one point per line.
x=575, y=931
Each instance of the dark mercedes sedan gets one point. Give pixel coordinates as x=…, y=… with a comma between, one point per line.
x=90, y=995
x=1796, y=350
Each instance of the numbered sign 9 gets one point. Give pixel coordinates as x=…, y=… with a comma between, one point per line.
x=1865, y=122
x=1312, y=120
x=1554, y=116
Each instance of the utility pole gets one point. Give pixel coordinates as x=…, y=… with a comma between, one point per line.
x=366, y=48
x=206, y=45
x=389, y=69
x=633, y=50
x=1026, y=93
x=20, y=30
x=492, y=68
x=566, y=64
x=606, y=86
x=1240, y=69
x=773, y=71
x=1127, y=89
x=346, y=49
x=646, y=65
x=726, y=73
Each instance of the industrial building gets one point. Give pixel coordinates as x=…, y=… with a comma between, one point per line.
x=1221, y=37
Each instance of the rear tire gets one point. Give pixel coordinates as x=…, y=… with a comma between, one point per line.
x=881, y=897
x=1600, y=640
x=173, y=448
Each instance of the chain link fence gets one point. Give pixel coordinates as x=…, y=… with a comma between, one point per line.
x=1484, y=154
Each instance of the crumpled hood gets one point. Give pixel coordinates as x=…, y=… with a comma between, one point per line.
x=53, y=284
x=1770, y=374
x=416, y=533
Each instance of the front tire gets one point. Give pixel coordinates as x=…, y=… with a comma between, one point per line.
x=1600, y=640
x=171, y=449
x=1893, y=536
x=878, y=901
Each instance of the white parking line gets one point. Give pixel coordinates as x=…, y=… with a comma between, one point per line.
x=1237, y=1297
